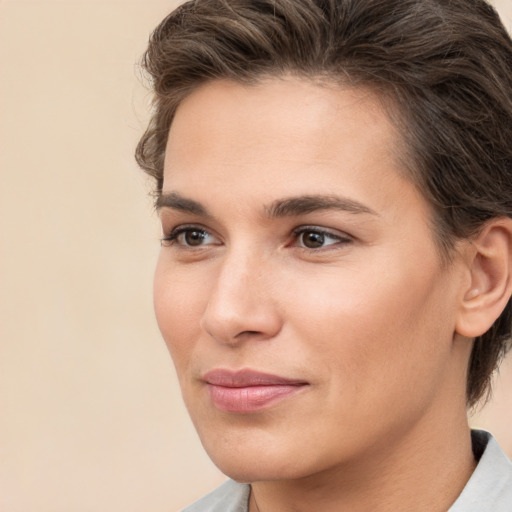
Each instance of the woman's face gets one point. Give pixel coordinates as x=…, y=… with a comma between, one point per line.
x=299, y=288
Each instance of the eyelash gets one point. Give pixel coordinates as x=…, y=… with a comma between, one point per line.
x=172, y=238
x=340, y=239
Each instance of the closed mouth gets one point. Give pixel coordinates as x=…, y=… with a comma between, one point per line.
x=246, y=391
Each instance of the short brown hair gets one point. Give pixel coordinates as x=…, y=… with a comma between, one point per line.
x=445, y=64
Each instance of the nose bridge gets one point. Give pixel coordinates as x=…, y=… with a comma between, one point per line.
x=235, y=279
x=241, y=300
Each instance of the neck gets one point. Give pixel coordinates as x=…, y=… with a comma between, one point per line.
x=426, y=470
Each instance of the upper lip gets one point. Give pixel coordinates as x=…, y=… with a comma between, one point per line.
x=247, y=378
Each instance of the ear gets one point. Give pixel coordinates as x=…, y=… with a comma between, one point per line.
x=490, y=265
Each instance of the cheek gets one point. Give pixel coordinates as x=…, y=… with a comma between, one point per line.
x=373, y=325
x=178, y=301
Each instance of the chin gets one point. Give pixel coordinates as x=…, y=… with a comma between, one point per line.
x=253, y=461
x=248, y=470
x=249, y=449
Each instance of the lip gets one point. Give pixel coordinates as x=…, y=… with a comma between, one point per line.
x=247, y=390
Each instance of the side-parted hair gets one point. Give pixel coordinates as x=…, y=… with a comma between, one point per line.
x=444, y=66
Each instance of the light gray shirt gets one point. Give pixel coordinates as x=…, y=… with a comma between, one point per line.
x=488, y=490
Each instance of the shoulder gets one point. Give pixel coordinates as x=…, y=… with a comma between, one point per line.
x=229, y=497
x=490, y=487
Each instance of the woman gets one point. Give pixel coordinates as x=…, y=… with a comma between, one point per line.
x=334, y=181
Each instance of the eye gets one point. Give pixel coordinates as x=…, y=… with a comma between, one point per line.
x=189, y=236
x=316, y=238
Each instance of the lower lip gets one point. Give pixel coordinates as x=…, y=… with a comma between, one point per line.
x=250, y=398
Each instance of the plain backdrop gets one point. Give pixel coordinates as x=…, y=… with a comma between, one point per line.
x=91, y=417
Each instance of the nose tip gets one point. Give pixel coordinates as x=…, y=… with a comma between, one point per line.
x=242, y=306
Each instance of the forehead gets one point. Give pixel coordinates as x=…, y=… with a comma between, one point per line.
x=277, y=121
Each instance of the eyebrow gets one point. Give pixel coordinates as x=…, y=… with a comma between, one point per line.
x=177, y=202
x=287, y=207
x=302, y=205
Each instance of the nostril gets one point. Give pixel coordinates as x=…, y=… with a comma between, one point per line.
x=251, y=335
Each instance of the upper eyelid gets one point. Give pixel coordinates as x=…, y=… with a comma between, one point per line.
x=184, y=227
x=335, y=233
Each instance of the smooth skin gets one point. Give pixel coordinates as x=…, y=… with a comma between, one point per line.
x=293, y=244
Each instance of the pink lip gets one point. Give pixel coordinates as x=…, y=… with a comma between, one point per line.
x=248, y=390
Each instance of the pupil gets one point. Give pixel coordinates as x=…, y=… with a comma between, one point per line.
x=313, y=240
x=194, y=237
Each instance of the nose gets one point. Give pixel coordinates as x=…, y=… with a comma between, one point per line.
x=242, y=304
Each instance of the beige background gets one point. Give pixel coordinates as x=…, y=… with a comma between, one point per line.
x=90, y=414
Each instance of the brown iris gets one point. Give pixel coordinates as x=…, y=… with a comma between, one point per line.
x=194, y=237
x=313, y=240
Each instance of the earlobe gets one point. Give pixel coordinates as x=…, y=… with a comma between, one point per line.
x=490, y=288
